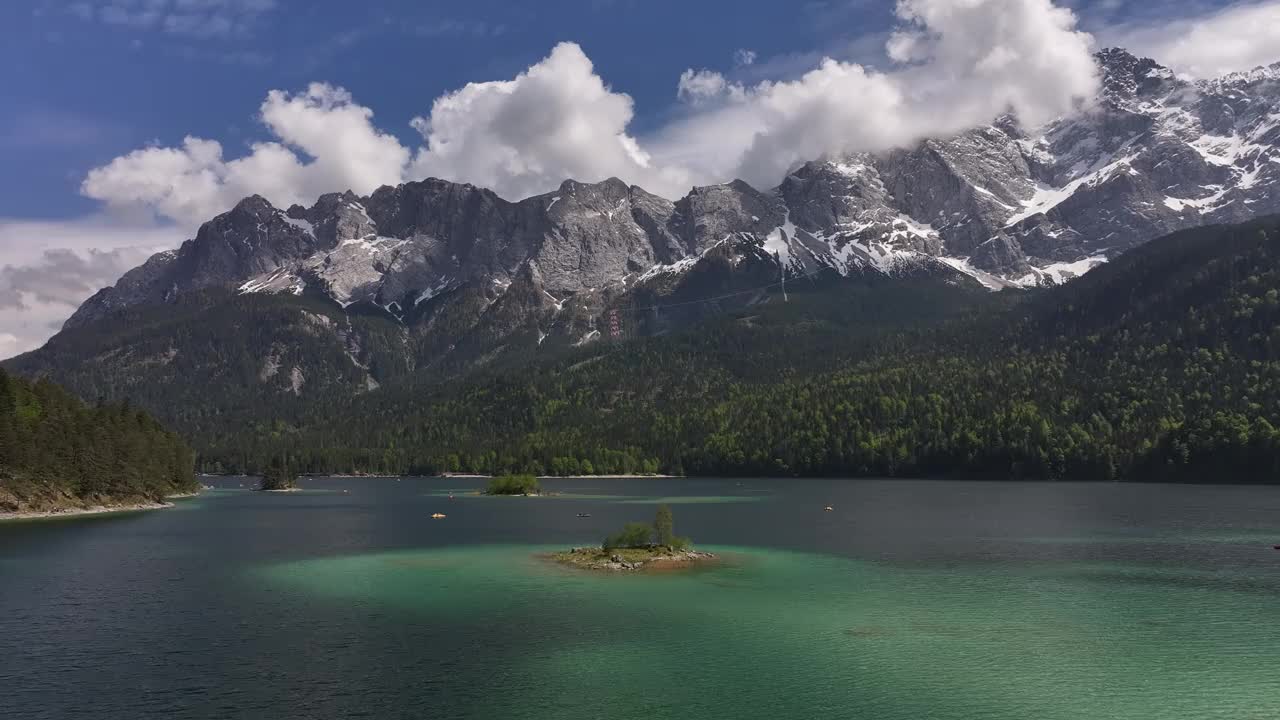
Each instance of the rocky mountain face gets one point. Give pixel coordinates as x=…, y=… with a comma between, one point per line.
x=465, y=273
x=1154, y=154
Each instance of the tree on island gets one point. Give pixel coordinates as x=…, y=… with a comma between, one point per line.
x=513, y=485
x=664, y=526
x=279, y=476
x=637, y=535
x=634, y=535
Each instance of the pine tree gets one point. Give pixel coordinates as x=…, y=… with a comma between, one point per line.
x=664, y=526
x=8, y=421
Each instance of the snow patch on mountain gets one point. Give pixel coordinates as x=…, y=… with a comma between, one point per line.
x=989, y=281
x=1058, y=273
x=778, y=242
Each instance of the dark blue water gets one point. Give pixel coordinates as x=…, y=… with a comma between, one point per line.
x=329, y=604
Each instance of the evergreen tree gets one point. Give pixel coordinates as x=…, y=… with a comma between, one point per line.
x=663, y=526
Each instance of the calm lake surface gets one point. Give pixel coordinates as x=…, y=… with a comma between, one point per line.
x=910, y=600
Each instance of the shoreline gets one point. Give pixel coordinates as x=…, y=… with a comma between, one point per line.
x=464, y=476
x=612, y=477
x=469, y=476
x=94, y=509
x=595, y=559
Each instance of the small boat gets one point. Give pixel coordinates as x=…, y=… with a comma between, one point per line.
x=584, y=514
x=828, y=509
x=437, y=516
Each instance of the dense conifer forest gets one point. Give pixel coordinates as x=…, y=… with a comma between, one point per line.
x=56, y=453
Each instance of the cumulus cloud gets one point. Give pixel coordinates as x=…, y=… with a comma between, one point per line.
x=191, y=183
x=556, y=120
x=743, y=57
x=51, y=267
x=698, y=87
x=956, y=65
x=1238, y=37
x=959, y=64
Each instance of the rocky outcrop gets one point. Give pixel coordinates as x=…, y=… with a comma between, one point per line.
x=655, y=558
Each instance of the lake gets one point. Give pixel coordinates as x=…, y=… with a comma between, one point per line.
x=909, y=599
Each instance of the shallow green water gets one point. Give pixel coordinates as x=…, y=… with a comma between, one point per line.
x=784, y=634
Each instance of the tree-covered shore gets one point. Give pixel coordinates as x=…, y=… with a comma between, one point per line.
x=59, y=455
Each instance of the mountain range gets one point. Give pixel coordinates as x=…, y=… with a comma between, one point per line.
x=435, y=278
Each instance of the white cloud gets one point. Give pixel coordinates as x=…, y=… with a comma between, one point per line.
x=556, y=120
x=11, y=345
x=698, y=87
x=743, y=57
x=1239, y=37
x=51, y=267
x=960, y=65
x=192, y=18
x=194, y=182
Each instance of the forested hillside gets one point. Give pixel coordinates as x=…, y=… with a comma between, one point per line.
x=56, y=453
x=1164, y=365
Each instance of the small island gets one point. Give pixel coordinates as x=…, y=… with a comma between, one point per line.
x=279, y=478
x=638, y=546
x=511, y=485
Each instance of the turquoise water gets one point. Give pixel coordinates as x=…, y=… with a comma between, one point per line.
x=784, y=634
x=908, y=600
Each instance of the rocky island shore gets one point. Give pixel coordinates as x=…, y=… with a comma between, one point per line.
x=630, y=559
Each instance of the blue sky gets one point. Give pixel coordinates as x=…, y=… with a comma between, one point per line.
x=77, y=92
x=97, y=96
